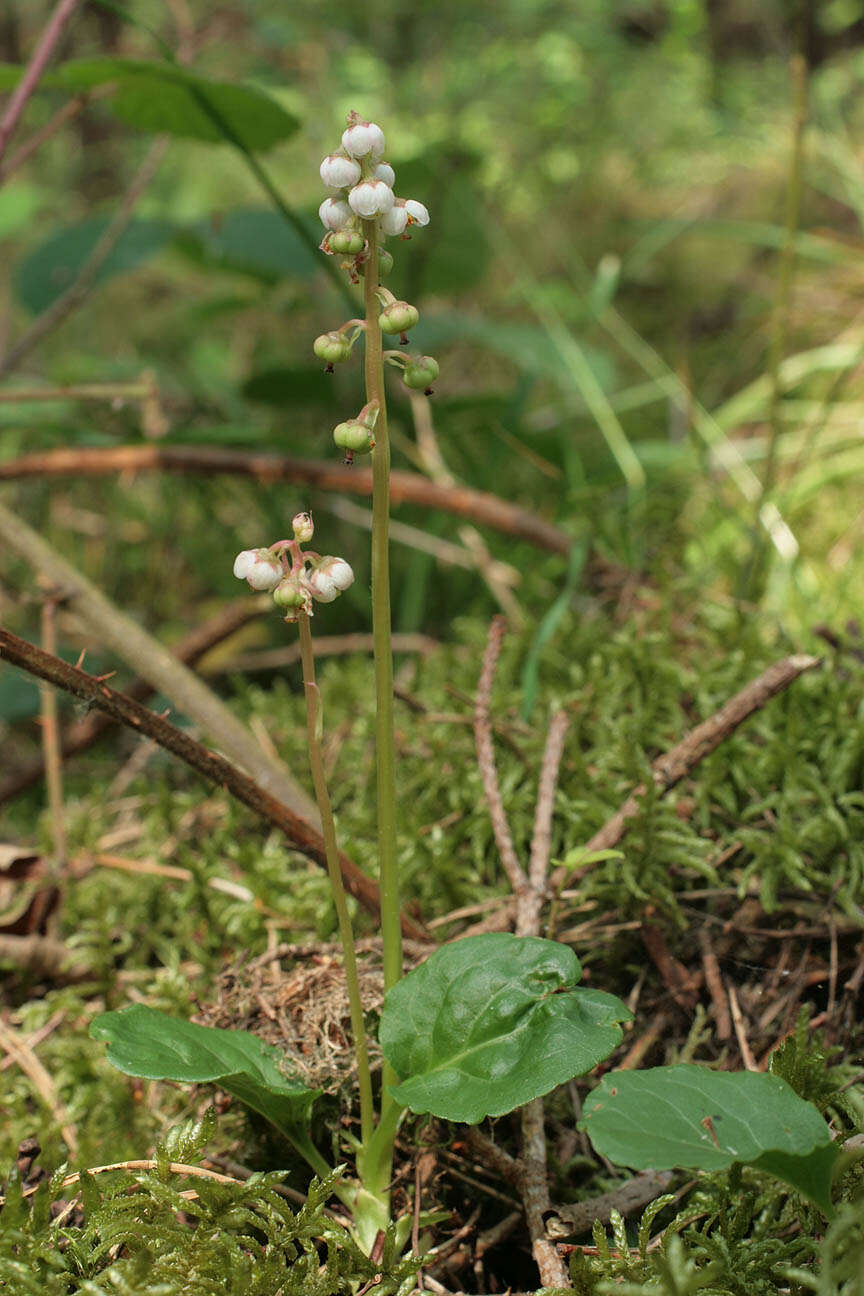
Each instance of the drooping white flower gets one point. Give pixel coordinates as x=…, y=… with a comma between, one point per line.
x=244, y=562
x=339, y=172
x=385, y=172
x=417, y=212
x=261, y=568
x=362, y=138
x=338, y=571
x=371, y=198
x=396, y=219
x=329, y=578
x=334, y=213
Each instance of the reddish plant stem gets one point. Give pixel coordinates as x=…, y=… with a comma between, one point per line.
x=35, y=68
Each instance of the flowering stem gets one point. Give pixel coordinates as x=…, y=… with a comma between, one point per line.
x=385, y=756
x=328, y=828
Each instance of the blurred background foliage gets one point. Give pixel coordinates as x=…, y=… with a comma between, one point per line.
x=600, y=280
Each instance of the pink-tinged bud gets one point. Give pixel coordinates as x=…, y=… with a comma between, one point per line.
x=417, y=213
x=261, y=568
x=335, y=214
x=303, y=527
x=362, y=138
x=339, y=172
x=395, y=220
x=371, y=198
x=398, y=317
x=385, y=172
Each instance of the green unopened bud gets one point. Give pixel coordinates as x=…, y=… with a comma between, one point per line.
x=289, y=593
x=385, y=264
x=332, y=347
x=420, y=372
x=348, y=241
x=398, y=317
x=355, y=436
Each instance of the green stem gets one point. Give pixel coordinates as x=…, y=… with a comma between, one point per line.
x=391, y=933
x=328, y=828
x=755, y=577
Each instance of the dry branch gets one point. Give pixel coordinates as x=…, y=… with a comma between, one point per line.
x=35, y=69
x=486, y=760
x=676, y=763
x=122, y=635
x=210, y=764
x=84, y=733
x=323, y=474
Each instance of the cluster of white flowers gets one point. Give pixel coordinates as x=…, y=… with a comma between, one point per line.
x=282, y=571
x=364, y=183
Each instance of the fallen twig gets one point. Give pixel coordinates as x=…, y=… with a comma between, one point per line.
x=674, y=764
x=84, y=733
x=630, y=1196
x=323, y=474
x=122, y=635
x=18, y=1048
x=529, y=891
x=175, y=1167
x=486, y=760
x=210, y=764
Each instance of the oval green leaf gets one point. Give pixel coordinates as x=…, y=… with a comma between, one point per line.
x=150, y=1044
x=53, y=266
x=490, y=1022
x=690, y=1117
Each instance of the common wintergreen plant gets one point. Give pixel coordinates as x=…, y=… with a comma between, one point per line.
x=490, y=1023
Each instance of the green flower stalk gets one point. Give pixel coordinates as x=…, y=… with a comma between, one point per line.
x=361, y=214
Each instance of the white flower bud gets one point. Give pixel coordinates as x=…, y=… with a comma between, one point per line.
x=335, y=214
x=261, y=568
x=385, y=172
x=417, y=212
x=395, y=220
x=339, y=172
x=363, y=138
x=371, y=198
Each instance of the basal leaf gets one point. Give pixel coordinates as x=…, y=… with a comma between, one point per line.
x=490, y=1022
x=144, y=1042
x=693, y=1118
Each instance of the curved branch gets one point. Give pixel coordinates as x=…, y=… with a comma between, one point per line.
x=265, y=466
x=301, y=834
